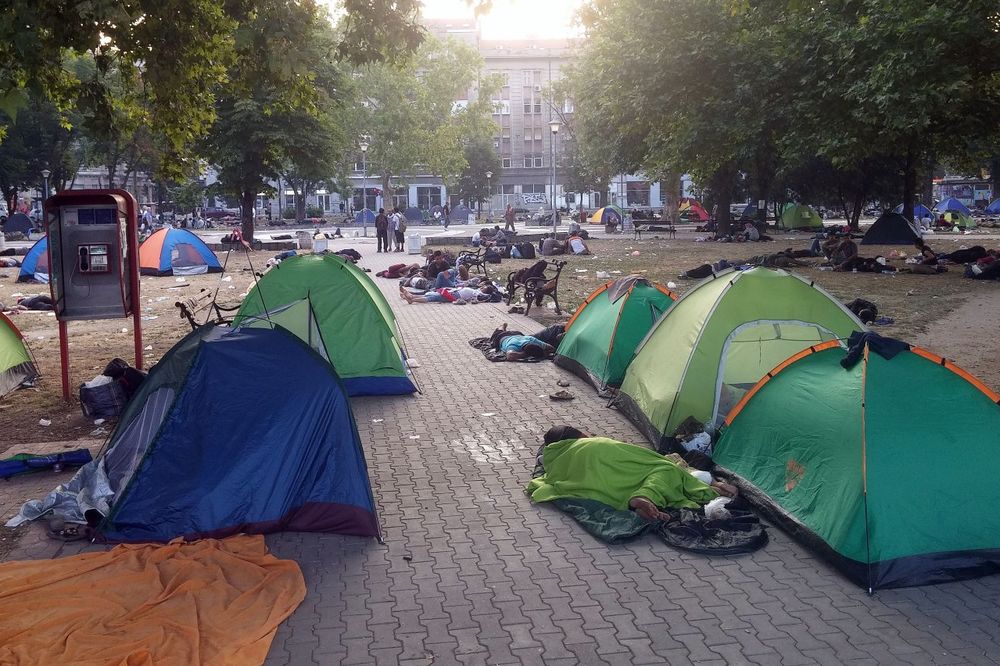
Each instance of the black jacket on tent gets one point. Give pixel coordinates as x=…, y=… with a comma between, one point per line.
x=891, y=229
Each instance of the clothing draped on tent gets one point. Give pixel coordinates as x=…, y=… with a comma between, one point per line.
x=207, y=602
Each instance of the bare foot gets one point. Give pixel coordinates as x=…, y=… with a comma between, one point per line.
x=405, y=295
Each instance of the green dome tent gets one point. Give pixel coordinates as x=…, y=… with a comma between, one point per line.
x=721, y=337
x=893, y=486
x=16, y=364
x=602, y=336
x=798, y=216
x=357, y=325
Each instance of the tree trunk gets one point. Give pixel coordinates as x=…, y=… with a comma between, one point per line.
x=388, y=193
x=670, y=201
x=858, y=205
x=247, y=198
x=909, y=183
x=722, y=185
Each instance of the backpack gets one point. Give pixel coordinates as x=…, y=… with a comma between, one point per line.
x=402, y=224
x=526, y=250
x=492, y=256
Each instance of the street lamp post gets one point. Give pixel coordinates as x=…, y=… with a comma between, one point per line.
x=554, y=126
x=45, y=184
x=364, y=185
x=489, y=196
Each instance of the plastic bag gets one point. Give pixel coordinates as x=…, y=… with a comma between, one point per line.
x=716, y=509
x=701, y=442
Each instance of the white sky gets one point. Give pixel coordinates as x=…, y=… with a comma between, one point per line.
x=515, y=19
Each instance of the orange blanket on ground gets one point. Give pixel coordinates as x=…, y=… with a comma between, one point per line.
x=205, y=602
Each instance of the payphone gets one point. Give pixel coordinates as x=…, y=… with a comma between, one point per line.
x=93, y=261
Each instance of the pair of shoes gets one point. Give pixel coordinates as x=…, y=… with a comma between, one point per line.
x=517, y=309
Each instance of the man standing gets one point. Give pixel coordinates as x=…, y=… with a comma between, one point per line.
x=391, y=235
x=398, y=224
x=508, y=217
x=382, y=230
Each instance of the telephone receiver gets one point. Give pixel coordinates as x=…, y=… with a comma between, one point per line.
x=84, y=264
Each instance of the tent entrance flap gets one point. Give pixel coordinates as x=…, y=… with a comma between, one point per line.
x=298, y=318
x=752, y=350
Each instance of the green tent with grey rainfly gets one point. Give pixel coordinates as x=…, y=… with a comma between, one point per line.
x=603, y=334
x=801, y=217
x=718, y=340
x=328, y=296
x=16, y=364
x=886, y=468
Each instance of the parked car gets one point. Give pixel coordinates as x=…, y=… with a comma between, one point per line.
x=217, y=213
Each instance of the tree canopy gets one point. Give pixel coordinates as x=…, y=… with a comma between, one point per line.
x=770, y=88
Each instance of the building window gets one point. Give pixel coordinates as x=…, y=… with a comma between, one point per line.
x=428, y=197
x=505, y=163
x=501, y=107
x=538, y=163
x=289, y=198
x=533, y=193
x=637, y=193
x=568, y=106
x=528, y=161
x=370, y=199
x=323, y=201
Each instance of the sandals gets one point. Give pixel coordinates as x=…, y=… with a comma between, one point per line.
x=69, y=533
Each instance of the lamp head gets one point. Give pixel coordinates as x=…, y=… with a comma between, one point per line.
x=554, y=126
x=45, y=173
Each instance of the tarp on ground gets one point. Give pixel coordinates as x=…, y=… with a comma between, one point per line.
x=719, y=339
x=16, y=363
x=356, y=322
x=891, y=229
x=602, y=336
x=207, y=602
x=799, y=216
x=172, y=251
x=35, y=266
x=881, y=467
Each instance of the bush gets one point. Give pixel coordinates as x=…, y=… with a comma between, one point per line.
x=314, y=211
x=288, y=213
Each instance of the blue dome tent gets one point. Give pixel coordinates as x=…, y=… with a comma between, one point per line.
x=952, y=204
x=920, y=211
x=35, y=266
x=364, y=217
x=994, y=208
x=176, y=252
x=177, y=471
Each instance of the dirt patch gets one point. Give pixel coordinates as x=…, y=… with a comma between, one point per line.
x=94, y=343
x=915, y=302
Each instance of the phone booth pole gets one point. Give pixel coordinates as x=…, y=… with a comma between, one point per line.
x=93, y=251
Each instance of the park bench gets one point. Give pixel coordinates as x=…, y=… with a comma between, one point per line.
x=668, y=229
x=474, y=259
x=204, y=300
x=537, y=287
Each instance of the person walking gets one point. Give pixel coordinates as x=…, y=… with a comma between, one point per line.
x=508, y=217
x=447, y=212
x=382, y=230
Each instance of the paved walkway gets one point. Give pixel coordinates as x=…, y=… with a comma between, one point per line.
x=473, y=573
